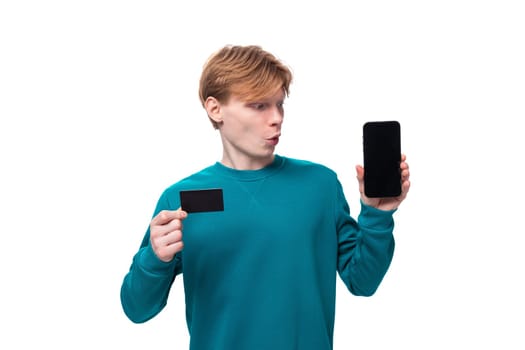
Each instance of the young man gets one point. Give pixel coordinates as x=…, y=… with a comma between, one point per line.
x=261, y=274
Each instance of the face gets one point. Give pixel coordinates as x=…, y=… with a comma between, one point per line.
x=250, y=130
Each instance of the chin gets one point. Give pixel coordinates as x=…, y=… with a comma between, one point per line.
x=266, y=155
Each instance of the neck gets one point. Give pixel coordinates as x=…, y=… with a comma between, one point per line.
x=246, y=162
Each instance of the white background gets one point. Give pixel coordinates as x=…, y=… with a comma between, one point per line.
x=99, y=113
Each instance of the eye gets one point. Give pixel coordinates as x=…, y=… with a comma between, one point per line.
x=258, y=106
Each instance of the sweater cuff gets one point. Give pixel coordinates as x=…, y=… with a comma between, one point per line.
x=151, y=263
x=376, y=218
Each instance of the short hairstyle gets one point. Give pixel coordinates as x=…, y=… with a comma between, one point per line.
x=248, y=72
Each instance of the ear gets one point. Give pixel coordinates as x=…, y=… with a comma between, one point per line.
x=213, y=108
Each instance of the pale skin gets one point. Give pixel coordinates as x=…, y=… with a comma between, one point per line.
x=249, y=131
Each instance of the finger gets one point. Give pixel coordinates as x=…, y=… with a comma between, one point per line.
x=405, y=174
x=166, y=216
x=405, y=187
x=159, y=241
x=166, y=253
x=163, y=230
x=173, y=225
x=171, y=238
x=175, y=247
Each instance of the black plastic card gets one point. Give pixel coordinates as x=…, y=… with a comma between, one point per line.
x=196, y=201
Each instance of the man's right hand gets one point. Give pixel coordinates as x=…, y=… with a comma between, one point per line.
x=166, y=233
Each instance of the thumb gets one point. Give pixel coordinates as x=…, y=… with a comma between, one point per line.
x=166, y=216
x=360, y=171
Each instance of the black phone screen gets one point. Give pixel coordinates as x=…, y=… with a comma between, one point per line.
x=381, y=158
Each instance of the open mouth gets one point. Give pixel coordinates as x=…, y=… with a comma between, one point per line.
x=273, y=140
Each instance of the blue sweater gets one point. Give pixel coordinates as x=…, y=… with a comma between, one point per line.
x=262, y=273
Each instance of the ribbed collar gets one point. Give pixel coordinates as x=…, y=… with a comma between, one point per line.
x=250, y=175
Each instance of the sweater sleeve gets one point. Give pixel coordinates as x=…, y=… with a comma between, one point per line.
x=365, y=247
x=146, y=285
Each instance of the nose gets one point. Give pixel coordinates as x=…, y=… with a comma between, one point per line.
x=277, y=115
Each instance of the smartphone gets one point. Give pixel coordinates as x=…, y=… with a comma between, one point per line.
x=381, y=158
x=202, y=200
